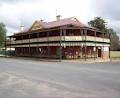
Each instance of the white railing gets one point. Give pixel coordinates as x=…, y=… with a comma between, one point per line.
x=73, y=38
x=88, y=38
x=63, y=38
x=57, y=44
x=97, y=39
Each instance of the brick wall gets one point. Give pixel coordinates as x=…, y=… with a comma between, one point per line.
x=106, y=55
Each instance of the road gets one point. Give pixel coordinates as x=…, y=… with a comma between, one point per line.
x=37, y=79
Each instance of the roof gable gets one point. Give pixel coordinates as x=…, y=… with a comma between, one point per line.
x=62, y=22
x=36, y=25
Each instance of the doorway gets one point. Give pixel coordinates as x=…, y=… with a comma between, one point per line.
x=99, y=53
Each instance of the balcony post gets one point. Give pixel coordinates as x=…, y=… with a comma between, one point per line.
x=64, y=46
x=60, y=58
x=85, y=31
x=48, y=47
x=103, y=45
x=110, y=46
x=10, y=46
x=15, y=43
x=5, y=44
x=48, y=51
x=29, y=44
x=95, y=50
x=64, y=32
x=37, y=48
x=82, y=43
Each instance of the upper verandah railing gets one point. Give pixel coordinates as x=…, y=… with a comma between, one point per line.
x=60, y=38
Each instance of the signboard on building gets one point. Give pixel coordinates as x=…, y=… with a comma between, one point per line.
x=94, y=49
x=105, y=49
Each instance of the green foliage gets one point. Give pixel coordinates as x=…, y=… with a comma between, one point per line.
x=115, y=43
x=7, y=53
x=100, y=24
x=2, y=34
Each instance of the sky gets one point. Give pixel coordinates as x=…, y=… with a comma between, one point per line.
x=14, y=13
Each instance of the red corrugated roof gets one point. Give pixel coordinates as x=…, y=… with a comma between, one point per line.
x=62, y=22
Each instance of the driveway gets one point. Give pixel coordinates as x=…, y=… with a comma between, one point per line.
x=36, y=79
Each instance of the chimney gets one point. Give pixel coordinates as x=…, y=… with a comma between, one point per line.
x=21, y=28
x=41, y=20
x=58, y=17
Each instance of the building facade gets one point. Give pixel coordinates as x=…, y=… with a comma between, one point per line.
x=61, y=39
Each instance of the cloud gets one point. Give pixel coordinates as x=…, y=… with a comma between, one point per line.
x=108, y=8
x=17, y=1
x=16, y=12
x=13, y=15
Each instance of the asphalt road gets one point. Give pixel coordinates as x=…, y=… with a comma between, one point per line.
x=36, y=79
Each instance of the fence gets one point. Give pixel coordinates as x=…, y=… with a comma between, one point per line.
x=7, y=53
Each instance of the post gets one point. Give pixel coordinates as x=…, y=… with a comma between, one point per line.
x=29, y=45
x=48, y=47
x=10, y=46
x=110, y=45
x=82, y=43
x=37, y=48
x=5, y=44
x=103, y=46
x=60, y=58
x=64, y=32
x=85, y=31
x=95, y=47
x=15, y=44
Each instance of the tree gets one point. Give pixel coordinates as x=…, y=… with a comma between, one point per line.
x=100, y=24
x=115, y=43
x=2, y=34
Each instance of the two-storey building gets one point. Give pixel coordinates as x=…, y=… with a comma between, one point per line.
x=64, y=38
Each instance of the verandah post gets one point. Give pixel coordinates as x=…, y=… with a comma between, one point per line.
x=85, y=31
x=82, y=43
x=48, y=46
x=29, y=45
x=95, y=50
x=10, y=46
x=60, y=53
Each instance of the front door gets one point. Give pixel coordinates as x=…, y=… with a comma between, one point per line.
x=99, y=52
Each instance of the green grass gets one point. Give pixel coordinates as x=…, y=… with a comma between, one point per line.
x=115, y=54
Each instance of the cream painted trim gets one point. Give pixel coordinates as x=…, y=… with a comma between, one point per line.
x=63, y=44
x=97, y=39
x=73, y=38
x=63, y=38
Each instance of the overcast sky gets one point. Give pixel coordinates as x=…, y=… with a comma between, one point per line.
x=16, y=12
